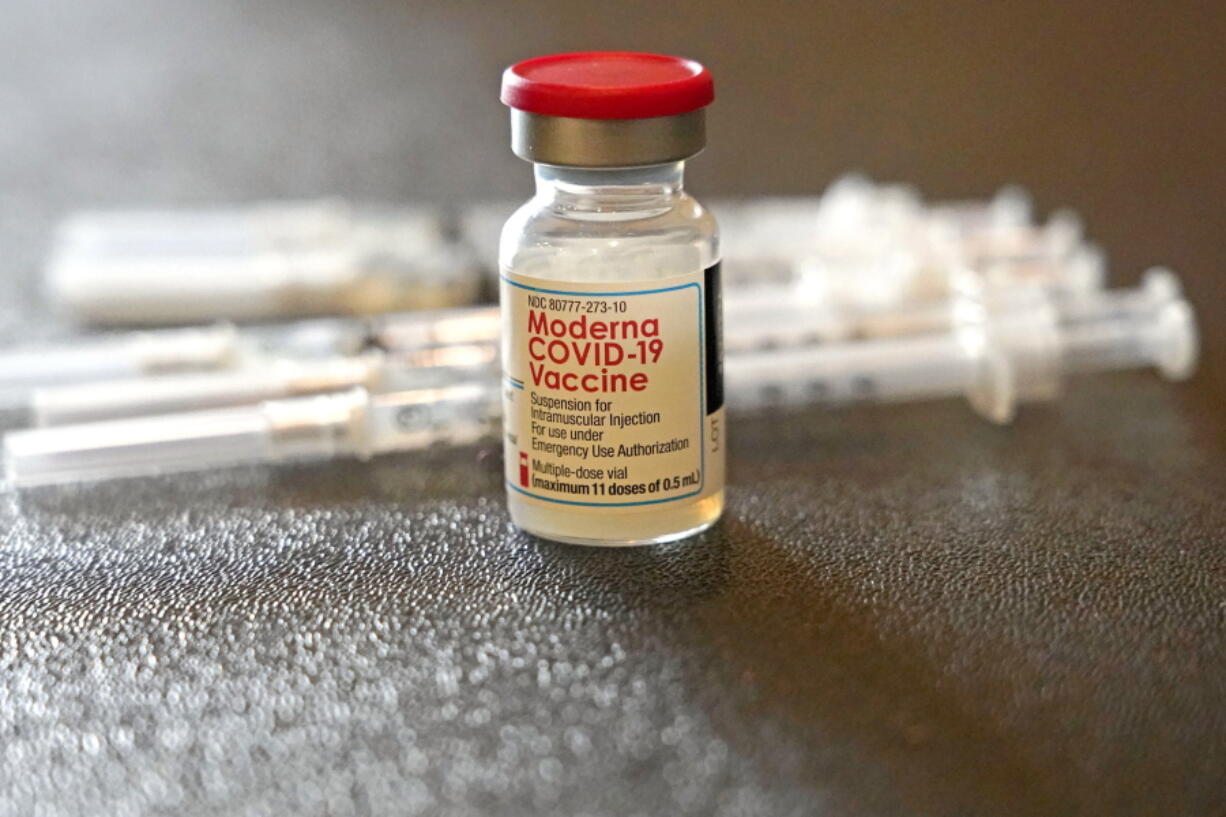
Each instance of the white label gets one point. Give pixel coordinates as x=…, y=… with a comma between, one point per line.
x=606, y=390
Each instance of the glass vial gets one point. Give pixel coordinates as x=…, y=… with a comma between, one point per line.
x=613, y=369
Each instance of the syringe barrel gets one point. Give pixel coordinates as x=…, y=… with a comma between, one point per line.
x=110, y=357
x=60, y=405
x=781, y=325
x=240, y=229
x=120, y=448
x=247, y=263
x=307, y=338
x=393, y=332
x=305, y=428
x=924, y=366
x=466, y=325
x=419, y=418
x=186, y=288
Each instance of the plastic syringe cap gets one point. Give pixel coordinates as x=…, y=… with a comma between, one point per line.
x=607, y=85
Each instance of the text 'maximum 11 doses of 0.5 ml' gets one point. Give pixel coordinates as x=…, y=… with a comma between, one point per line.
x=613, y=387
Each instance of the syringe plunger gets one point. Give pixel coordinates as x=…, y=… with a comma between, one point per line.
x=997, y=356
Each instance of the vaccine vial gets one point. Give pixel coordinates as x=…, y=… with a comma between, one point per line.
x=610, y=295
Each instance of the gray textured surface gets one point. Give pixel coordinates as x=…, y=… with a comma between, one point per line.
x=912, y=621
x=905, y=611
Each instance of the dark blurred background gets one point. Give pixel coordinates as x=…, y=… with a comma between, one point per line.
x=1115, y=109
x=907, y=611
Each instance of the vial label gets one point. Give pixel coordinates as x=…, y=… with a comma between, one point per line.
x=613, y=392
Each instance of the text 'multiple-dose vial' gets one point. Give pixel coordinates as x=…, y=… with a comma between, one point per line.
x=613, y=382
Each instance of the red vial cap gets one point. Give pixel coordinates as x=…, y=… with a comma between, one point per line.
x=607, y=85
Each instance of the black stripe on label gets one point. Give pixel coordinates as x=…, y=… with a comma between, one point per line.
x=713, y=323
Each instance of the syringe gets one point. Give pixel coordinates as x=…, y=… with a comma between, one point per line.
x=241, y=229
x=129, y=355
x=376, y=371
x=872, y=246
x=826, y=304
x=132, y=354
x=351, y=424
x=997, y=355
x=261, y=261
x=296, y=258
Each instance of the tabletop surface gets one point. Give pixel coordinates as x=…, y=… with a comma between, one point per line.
x=904, y=610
